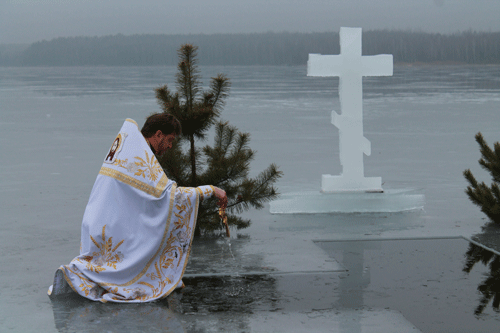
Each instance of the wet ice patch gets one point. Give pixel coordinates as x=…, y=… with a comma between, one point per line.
x=332, y=320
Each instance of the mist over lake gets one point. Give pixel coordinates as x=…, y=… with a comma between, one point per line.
x=283, y=48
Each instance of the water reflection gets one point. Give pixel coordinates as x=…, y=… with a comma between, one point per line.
x=226, y=304
x=206, y=304
x=217, y=255
x=244, y=294
x=489, y=288
x=421, y=279
x=73, y=313
x=224, y=287
x=353, y=287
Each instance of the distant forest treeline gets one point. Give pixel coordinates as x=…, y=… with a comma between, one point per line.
x=252, y=49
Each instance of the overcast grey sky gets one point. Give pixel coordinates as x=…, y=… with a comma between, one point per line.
x=26, y=21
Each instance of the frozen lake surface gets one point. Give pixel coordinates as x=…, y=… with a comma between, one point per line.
x=57, y=124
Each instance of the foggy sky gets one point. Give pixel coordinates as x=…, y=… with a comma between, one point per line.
x=27, y=21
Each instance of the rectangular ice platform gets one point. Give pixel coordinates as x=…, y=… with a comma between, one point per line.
x=312, y=202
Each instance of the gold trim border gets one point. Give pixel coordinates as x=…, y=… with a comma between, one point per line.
x=165, y=294
x=132, y=121
x=141, y=186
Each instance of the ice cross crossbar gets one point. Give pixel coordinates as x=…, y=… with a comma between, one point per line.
x=350, y=66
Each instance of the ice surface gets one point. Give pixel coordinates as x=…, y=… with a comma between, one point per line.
x=350, y=66
x=332, y=320
x=349, y=202
x=432, y=111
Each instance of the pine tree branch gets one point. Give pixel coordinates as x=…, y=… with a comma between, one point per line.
x=219, y=87
x=470, y=178
x=187, y=76
x=490, y=159
x=163, y=97
x=270, y=175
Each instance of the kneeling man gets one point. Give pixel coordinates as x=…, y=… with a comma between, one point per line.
x=138, y=226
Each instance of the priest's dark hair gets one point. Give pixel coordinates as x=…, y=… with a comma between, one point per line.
x=164, y=122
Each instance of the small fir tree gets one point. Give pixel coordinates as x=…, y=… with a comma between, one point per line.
x=226, y=164
x=488, y=198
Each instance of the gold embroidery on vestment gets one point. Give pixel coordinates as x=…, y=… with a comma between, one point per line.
x=150, y=165
x=86, y=286
x=107, y=254
x=118, y=175
x=121, y=163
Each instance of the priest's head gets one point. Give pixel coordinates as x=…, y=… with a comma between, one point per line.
x=160, y=130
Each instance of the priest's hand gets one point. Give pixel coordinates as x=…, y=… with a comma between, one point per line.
x=221, y=195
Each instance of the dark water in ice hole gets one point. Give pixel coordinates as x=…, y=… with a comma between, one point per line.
x=422, y=279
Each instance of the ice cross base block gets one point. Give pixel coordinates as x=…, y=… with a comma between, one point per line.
x=390, y=201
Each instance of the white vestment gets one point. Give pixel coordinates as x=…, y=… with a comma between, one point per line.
x=137, y=228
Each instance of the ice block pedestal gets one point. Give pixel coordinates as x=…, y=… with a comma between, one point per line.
x=348, y=202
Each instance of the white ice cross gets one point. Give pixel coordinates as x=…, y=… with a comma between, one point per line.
x=350, y=66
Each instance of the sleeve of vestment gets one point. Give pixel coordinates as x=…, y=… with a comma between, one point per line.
x=205, y=191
